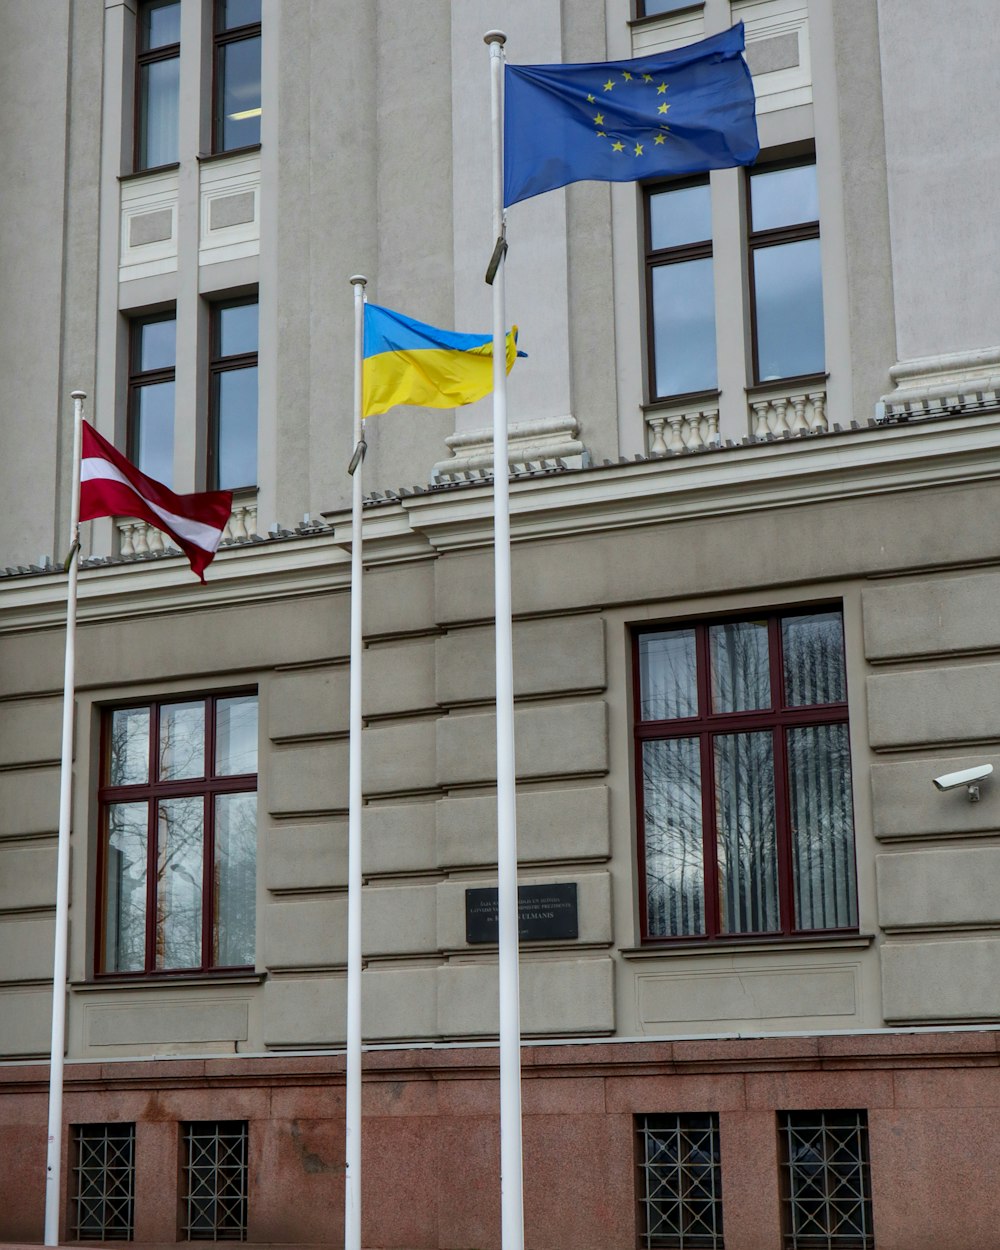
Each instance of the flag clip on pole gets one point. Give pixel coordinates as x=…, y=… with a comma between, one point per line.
x=53, y=1160
x=352, y=1179
x=511, y=1177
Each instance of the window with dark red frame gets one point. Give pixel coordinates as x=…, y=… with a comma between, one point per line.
x=743, y=770
x=178, y=813
x=157, y=84
x=236, y=121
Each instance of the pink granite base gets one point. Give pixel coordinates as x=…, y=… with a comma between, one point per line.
x=431, y=1138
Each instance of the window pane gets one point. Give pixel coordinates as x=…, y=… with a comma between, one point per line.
x=675, y=897
x=125, y=882
x=237, y=428
x=237, y=329
x=235, y=880
x=667, y=675
x=783, y=197
x=159, y=88
x=822, y=815
x=740, y=677
x=182, y=741
x=684, y=327
x=239, y=70
x=788, y=287
x=161, y=25
x=236, y=736
x=813, y=647
x=747, y=842
x=680, y=216
x=129, y=747
x=154, y=431
x=239, y=13
x=180, y=850
x=651, y=7
x=680, y=1184
x=157, y=345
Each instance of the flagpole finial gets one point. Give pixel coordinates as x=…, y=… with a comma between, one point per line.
x=358, y=279
x=78, y=394
x=495, y=36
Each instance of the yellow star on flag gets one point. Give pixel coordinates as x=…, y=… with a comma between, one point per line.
x=608, y=85
x=661, y=88
x=590, y=99
x=638, y=149
x=647, y=78
x=599, y=119
x=602, y=134
x=660, y=139
x=627, y=76
x=617, y=146
x=664, y=108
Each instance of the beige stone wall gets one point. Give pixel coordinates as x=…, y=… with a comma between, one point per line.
x=922, y=653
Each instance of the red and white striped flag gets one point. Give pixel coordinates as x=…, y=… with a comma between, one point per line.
x=110, y=485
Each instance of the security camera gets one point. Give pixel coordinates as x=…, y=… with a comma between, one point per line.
x=969, y=777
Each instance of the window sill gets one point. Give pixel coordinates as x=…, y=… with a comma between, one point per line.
x=751, y=946
x=692, y=399
x=684, y=11
x=206, y=158
x=167, y=980
x=802, y=381
x=146, y=173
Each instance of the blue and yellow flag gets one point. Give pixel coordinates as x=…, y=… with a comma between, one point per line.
x=407, y=362
x=679, y=112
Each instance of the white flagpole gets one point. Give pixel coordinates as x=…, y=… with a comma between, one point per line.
x=53, y=1161
x=511, y=1177
x=352, y=1179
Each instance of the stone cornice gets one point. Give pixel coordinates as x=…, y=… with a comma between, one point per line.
x=782, y=473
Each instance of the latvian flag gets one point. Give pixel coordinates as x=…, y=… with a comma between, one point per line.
x=111, y=486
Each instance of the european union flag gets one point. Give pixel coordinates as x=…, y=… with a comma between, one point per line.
x=679, y=112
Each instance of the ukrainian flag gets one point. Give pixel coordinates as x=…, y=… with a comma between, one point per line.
x=407, y=362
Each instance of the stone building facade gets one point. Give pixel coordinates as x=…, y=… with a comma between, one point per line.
x=755, y=559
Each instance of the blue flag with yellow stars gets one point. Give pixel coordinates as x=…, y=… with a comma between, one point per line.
x=679, y=112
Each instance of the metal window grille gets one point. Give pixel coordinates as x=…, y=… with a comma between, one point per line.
x=104, y=1182
x=680, y=1182
x=826, y=1186
x=215, y=1181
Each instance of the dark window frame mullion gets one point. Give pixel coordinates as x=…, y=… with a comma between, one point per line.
x=709, y=819
x=782, y=804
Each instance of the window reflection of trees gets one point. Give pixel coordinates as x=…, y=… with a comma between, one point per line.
x=235, y=879
x=747, y=850
x=174, y=936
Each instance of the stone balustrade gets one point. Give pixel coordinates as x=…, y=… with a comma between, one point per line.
x=783, y=413
x=137, y=538
x=680, y=430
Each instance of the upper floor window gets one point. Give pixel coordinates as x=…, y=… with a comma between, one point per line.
x=785, y=274
x=744, y=774
x=658, y=8
x=237, y=74
x=233, y=395
x=152, y=365
x=178, y=815
x=680, y=289
x=157, y=83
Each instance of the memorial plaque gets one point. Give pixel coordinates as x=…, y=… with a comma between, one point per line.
x=546, y=913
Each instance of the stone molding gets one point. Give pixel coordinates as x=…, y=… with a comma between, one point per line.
x=959, y=382
x=545, y=438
